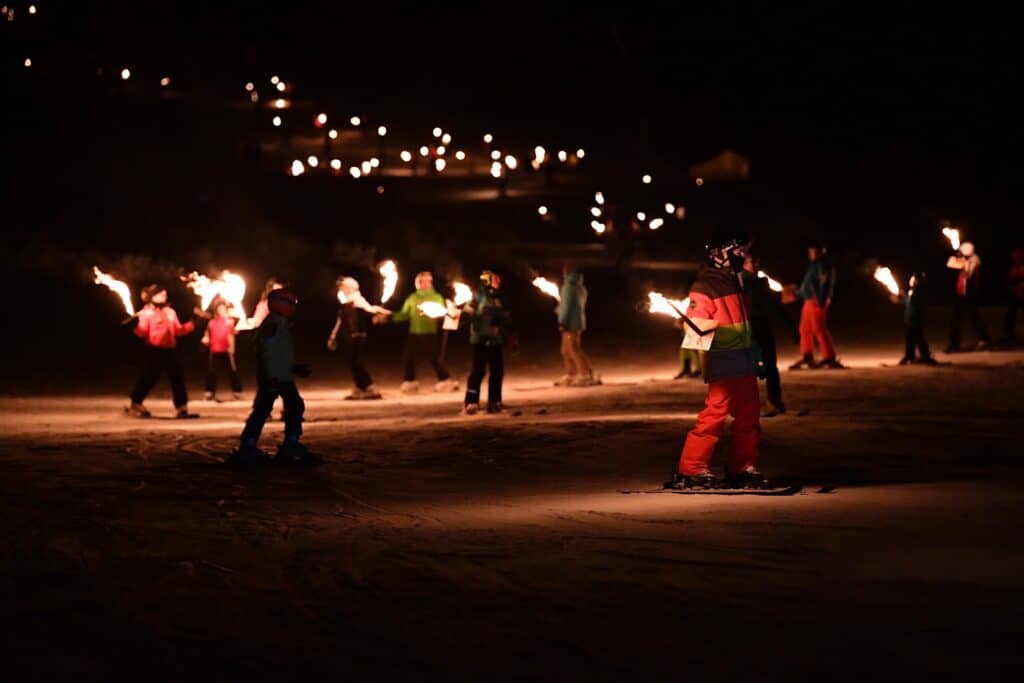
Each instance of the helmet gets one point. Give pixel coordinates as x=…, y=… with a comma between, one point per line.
x=488, y=278
x=149, y=291
x=728, y=249
x=283, y=302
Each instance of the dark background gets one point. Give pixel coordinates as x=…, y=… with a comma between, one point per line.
x=864, y=129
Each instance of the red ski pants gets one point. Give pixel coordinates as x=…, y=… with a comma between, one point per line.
x=814, y=327
x=736, y=396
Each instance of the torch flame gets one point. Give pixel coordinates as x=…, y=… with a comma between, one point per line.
x=463, y=294
x=953, y=235
x=773, y=284
x=670, y=307
x=117, y=287
x=885, y=276
x=432, y=309
x=229, y=286
x=548, y=287
x=389, y=271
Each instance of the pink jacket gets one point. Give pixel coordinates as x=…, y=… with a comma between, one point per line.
x=219, y=334
x=160, y=327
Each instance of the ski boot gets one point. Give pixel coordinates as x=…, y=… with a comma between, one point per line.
x=446, y=385
x=208, y=396
x=238, y=396
x=496, y=407
x=750, y=478
x=137, y=410
x=928, y=360
x=471, y=409
x=565, y=381
x=411, y=387
x=771, y=409
x=704, y=480
x=587, y=380
x=831, y=364
x=294, y=452
x=248, y=454
x=183, y=414
x=906, y=360
x=806, y=361
x=682, y=374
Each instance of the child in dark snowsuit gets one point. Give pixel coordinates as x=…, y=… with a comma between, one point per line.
x=276, y=371
x=915, y=309
x=488, y=332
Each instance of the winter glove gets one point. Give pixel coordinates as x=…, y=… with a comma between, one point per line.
x=332, y=343
x=302, y=370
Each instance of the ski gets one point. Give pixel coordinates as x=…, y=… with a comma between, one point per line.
x=772, y=491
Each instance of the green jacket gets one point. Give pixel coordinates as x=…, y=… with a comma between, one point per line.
x=275, y=349
x=418, y=323
x=490, y=320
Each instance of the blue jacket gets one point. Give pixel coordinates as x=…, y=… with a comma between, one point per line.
x=572, y=304
x=819, y=282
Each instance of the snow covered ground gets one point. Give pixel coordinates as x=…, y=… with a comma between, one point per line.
x=430, y=545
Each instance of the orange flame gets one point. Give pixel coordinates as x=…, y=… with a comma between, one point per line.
x=953, y=235
x=229, y=286
x=432, y=309
x=548, y=287
x=885, y=276
x=463, y=294
x=389, y=271
x=773, y=284
x=117, y=287
x=658, y=303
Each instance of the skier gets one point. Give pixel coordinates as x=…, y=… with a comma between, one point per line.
x=729, y=371
x=1015, y=285
x=915, y=303
x=276, y=371
x=423, y=339
x=158, y=325
x=816, y=290
x=968, y=288
x=572, y=321
x=488, y=333
x=220, y=338
x=763, y=304
x=352, y=316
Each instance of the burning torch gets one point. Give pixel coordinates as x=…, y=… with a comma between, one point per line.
x=699, y=332
x=888, y=280
x=120, y=289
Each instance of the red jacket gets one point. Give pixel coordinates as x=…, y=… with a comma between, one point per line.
x=220, y=332
x=160, y=327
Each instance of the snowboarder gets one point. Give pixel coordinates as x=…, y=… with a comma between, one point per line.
x=764, y=305
x=489, y=331
x=159, y=327
x=220, y=338
x=572, y=321
x=352, y=319
x=1015, y=286
x=915, y=308
x=719, y=299
x=968, y=289
x=276, y=372
x=423, y=339
x=816, y=290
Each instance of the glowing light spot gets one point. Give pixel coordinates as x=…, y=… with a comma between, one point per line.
x=355, y=120
x=424, y=151
x=354, y=171
x=460, y=155
x=599, y=197
x=165, y=81
x=312, y=161
x=488, y=138
x=406, y=156
x=126, y=74
x=656, y=223
x=563, y=155
x=542, y=210
x=580, y=153
x=332, y=134
x=382, y=130
x=646, y=180
x=440, y=164
x=437, y=132
x=336, y=164
x=321, y=119
x=276, y=121
x=670, y=207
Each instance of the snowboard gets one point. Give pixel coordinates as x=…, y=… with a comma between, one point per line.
x=790, y=490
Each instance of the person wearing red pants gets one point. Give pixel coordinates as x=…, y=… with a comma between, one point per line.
x=816, y=290
x=729, y=371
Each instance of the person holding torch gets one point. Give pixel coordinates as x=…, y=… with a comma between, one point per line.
x=915, y=308
x=968, y=291
x=489, y=331
x=816, y=290
x=352, y=322
x=764, y=306
x=720, y=305
x=158, y=326
x=423, y=339
x=572, y=321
